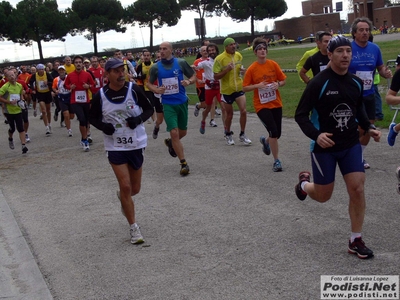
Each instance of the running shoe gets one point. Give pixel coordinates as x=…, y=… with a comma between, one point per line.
x=155, y=132
x=171, y=150
x=55, y=117
x=89, y=139
x=358, y=247
x=243, y=138
x=85, y=145
x=24, y=149
x=62, y=124
x=69, y=132
x=196, y=109
x=136, y=236
x=229, y=139
x=265, y=148
x=184, y=169
x=303, y=176
x=398, y=178
x=11, y=144
x=27, y=139
x=391, y=138
x=41, y=116
x=202, y=127
x=366, y=165
x=35, y=113
x=47, y=131
x=217, y=111
x=212, y=123
x=50, y=128
x=277, y=167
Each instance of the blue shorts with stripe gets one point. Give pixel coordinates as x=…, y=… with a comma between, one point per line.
x=324, y=164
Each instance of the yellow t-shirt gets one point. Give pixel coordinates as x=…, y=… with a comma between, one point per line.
x=69, y=68
x=303, y=60
x=231, y=82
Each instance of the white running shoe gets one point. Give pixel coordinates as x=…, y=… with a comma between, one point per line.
x=136, y=236
x=243, y=138
x=27, y=139
x=47, y=131
x=196, y=109
x=229, y=140
x=69, y=132
x=213, y=124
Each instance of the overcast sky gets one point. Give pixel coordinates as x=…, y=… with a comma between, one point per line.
x=139, y=37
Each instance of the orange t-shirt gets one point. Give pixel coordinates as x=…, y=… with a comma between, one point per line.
x=25, y=77
x=269, y=72
x=199, y=73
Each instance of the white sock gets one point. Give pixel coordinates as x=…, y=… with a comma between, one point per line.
x=354, y=235
x=303, y=185
x=134, y=225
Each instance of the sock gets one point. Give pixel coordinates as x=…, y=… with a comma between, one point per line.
x=303, y=185
x=354, y=235
x=241, y=133
x=10, y=139
x=183, y=161
x=134, y=225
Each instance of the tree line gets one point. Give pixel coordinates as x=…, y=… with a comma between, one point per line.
x=41, y=20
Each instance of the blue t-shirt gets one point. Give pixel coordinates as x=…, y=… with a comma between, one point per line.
x=364, y=62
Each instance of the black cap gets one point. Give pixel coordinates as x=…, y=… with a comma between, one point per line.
x=338, y=41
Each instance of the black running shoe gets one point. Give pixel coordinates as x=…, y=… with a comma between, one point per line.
x=24, y=149
x=171, y=150
x=155, y=132
x=184, y=169
x=358, y=247
x=303, y=176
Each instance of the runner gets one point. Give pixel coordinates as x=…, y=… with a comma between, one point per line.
x=265, y=77
x=119, y=110
x=228, y=69
x=13, y=108
x=335, y=96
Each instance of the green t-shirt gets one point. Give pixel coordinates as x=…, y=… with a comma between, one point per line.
x=13, y=92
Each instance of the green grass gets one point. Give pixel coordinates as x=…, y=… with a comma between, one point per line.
x=287, y=58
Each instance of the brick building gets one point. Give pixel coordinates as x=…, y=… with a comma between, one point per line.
x=317, y=15
x=376, y=11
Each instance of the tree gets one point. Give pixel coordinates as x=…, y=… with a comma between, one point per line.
x=96, y=16
x=6, y=10
x=153, y=13
x=203, y=8
x=240, y=10
x=37, y=21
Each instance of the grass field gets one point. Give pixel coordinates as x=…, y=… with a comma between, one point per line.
x=287, y=57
